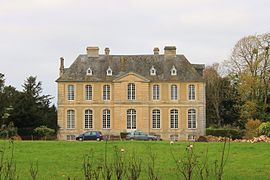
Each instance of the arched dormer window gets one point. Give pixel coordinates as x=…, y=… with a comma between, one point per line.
x=89, y=72
x=173, y=71
x=153, y=71
x=109, y=71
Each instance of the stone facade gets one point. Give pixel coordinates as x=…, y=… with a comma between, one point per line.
x=181, y=117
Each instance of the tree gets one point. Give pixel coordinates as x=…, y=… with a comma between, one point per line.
x=2, y=104
x=32, y=109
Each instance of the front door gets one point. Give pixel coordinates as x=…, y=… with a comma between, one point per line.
x=131, y=119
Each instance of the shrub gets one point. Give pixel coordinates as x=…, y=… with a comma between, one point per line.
x=8, y=131
x=232, y=133
x=43, y=131
x=264, y=129
x=252, y=128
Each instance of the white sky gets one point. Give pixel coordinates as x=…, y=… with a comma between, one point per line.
x=35, y=33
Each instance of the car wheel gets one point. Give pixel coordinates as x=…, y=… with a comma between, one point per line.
x=80, y=139
x=98, y=139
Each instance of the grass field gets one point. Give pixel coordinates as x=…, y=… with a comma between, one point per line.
x=59, y=159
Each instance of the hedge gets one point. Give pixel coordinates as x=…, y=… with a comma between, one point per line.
x=232, y=133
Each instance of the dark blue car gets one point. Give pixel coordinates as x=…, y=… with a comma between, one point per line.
x=90, y=135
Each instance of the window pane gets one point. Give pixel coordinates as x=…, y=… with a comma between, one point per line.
x=70, y=92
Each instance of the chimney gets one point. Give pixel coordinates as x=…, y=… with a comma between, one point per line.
x=92, y=51
x=107, y=51
x=156, y=51
x=62, y=68
x=170, y=51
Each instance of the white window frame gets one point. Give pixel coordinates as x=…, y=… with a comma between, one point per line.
x=88, y=119
x=106, y=119
x=156, y=92
x=156, y=119
x=192, y=118
x=174, y=119
x=71, y=92
x=131, y=119
x=89, y=72
x=191, y=92
x=173, y=71
x=70, y=119
x=153, y=71
x=109, y=71
x=106, y=92
x=131, y=91
x=88, y=92
x=174, y=92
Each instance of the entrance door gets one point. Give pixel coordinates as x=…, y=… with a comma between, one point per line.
x=131, y=119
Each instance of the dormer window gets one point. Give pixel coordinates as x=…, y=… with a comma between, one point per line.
x=173, y=71
x=109, y=71
x=153, y=71
x=89, y=72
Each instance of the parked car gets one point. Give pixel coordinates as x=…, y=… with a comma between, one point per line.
x=138, y=135
x=90, y=135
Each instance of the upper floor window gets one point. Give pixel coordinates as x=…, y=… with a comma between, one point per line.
x=156, y=92
x=153, y=71
x=106, y=92
x=71, y=92
x=192, y=119
x=191, y=92
x=106, y=119
x=89, y=72
x=109, y=71
x=88, y=92
x=173, y=71
x=173, y=92
x=131, y=91
x=70, y=119
x=156, y=119
x=174, y=118
x=88, y=119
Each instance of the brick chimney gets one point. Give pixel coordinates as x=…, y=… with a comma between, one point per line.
x=156, y=50
x=107, y=51
x=62, y=68
x=92, y=51
x=170, y=51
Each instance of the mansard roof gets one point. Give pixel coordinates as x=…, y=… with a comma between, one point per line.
x=139, y=64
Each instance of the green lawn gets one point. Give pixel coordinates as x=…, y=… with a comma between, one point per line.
x=59, y=159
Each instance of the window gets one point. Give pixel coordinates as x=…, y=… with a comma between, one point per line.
x=156, y=119
x=106, y=119
x=131, y=119
x=174, y=118
x=70, y=119
x=109, y=71
x=192, y=119
x=156, y=92
x=131, y=91
x=173, y=71
x=89, y=72
x=153, y=71
x=191, y=92
x=173, y=92
x=106, y=92
x=71, y=137
x=88, y=92
x=71, y=92
x=174, y=137
x=191, y=137
x=88, y=119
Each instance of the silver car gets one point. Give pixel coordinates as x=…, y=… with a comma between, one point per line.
x=138, y=135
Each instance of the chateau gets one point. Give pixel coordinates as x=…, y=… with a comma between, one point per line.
x=162, y=94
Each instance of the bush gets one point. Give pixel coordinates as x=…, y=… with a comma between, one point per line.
x=252, y=128
x=264, y=129
x=43, y=131
x=8, y=131
x=232, y=133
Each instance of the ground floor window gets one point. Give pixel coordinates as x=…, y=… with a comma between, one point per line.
x=174, y=118
x=88, y=119
x=106, y=119
x=156, y=119
x=131, y=119
x=70, y=119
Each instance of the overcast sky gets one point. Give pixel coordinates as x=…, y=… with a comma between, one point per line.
x=34, y=34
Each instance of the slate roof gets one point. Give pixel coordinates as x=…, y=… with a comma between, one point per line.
x=139, y=64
